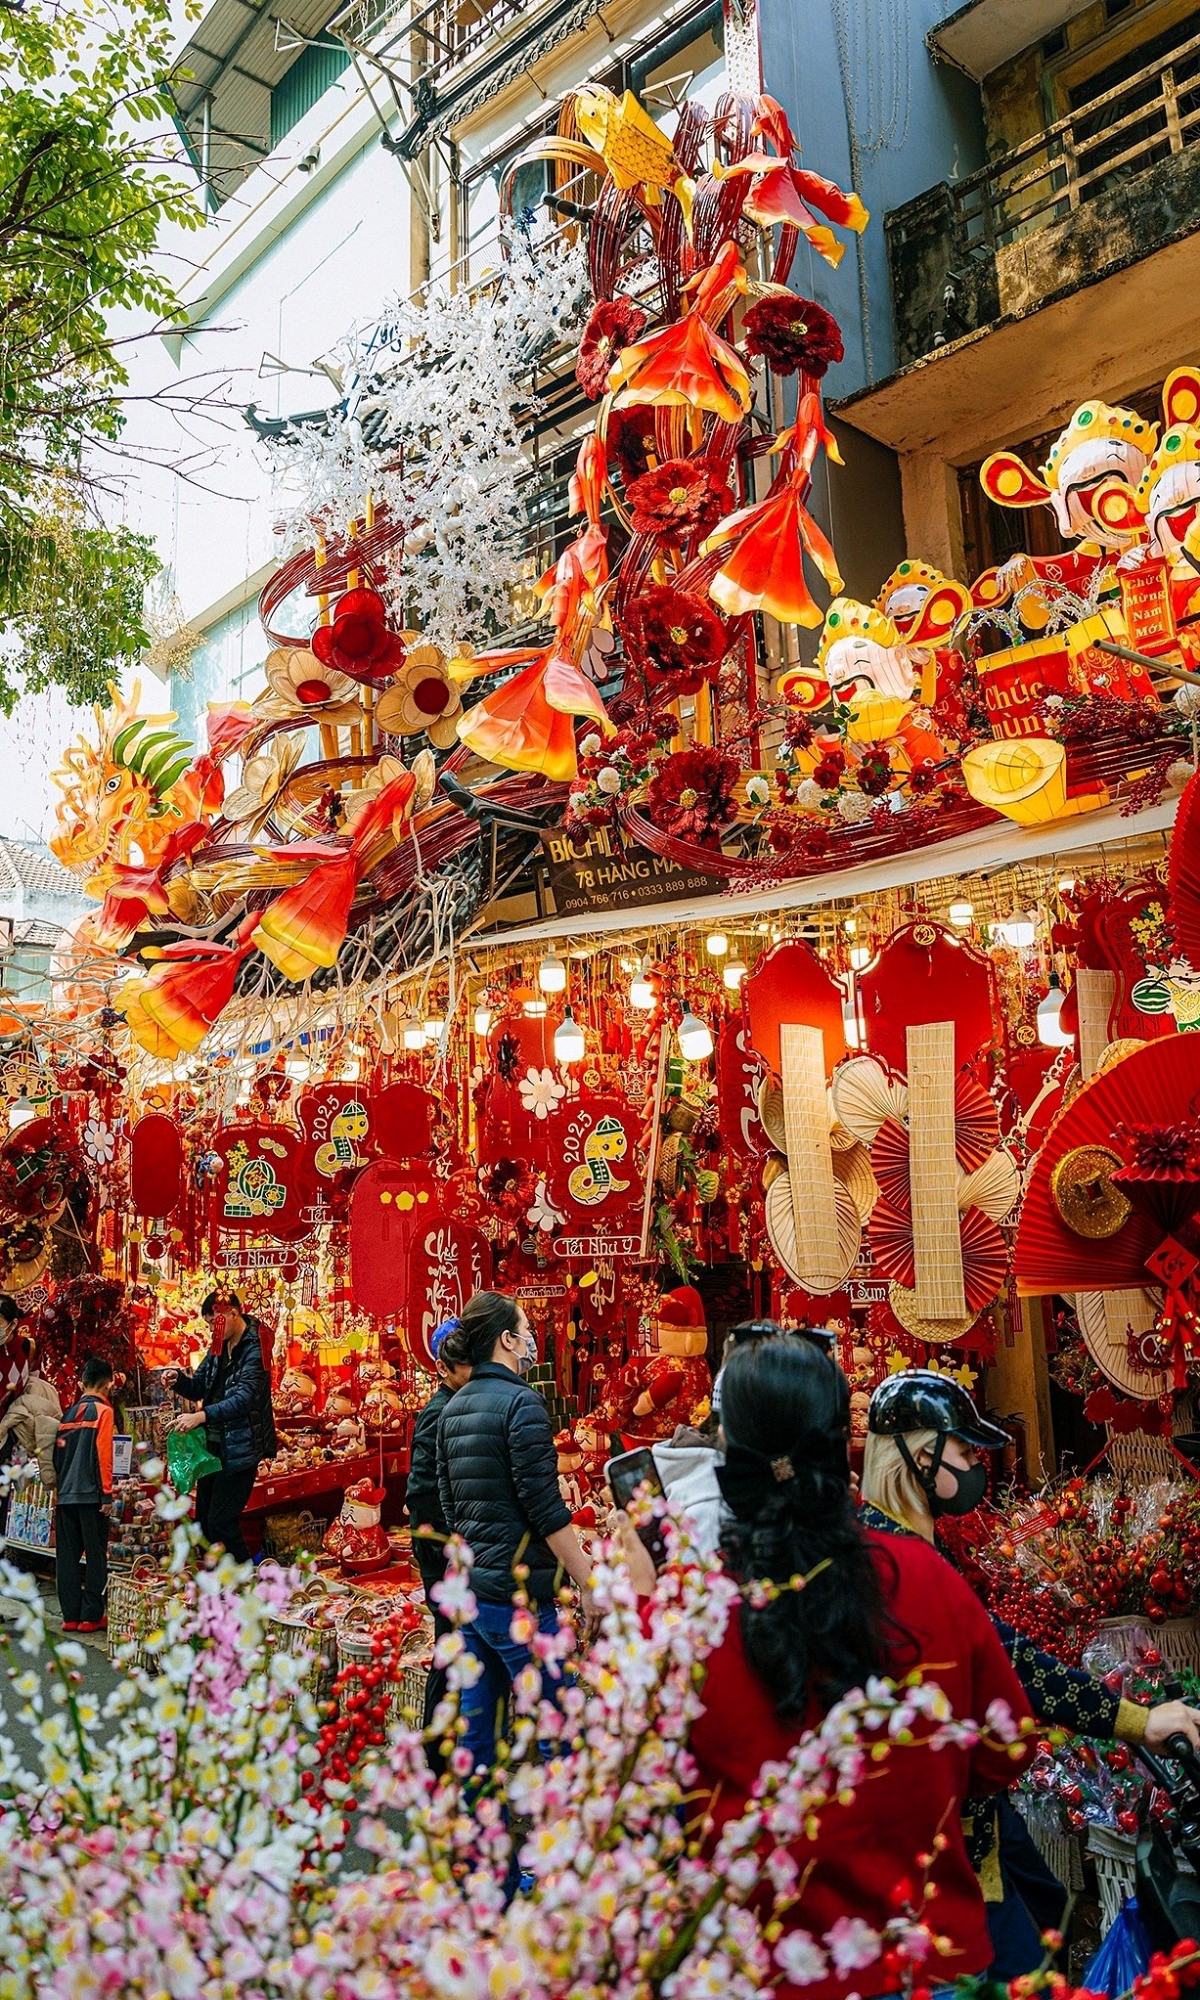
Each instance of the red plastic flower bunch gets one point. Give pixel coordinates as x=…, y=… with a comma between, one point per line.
x=358, y=642
x=629, y=440
x=874, y=773
x=612, y=325
x=681, y=498
x=691, y=794
x=358, y=1711
x=675, y=637
x=793, y=334
x=828, y=770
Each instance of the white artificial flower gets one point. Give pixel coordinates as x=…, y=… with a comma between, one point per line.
x=609, y=781
x=854, y=807
x=542, y=1216
x=809, y=794
x=541, y=1092
x=758, y=790
x=590, y=745
x=99, y=1143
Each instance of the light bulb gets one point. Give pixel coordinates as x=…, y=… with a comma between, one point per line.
x=641, y=993
x=850, y=926
x=850, y=1026
x=537, y=1007
x=432, y=1029
x=552, y=973
x=733, y=973
x=568, y=1040
x=695, y=1038
x=1065, y=884
x=716, y=944
x=1051, y=1032
x=413, y=1033
x=1017, y=931
x=860, y=956
x=483, y=1018
x=21, y=1111
x=961, y=914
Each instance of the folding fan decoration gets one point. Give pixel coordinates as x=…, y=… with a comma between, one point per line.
x=1112, y=1201
x=1183, y=873
x=945, y=1182
x=855, y=1189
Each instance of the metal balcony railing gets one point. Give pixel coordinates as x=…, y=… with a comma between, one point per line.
x=1136, y=125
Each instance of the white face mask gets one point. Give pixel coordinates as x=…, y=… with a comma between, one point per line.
x=527, y=1358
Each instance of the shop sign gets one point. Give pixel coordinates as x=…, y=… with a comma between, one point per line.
x=258, y=1257
x=861, y=1293
x=611, y=874
x=597, y=1246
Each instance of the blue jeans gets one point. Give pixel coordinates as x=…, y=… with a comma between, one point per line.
x=483, y=1705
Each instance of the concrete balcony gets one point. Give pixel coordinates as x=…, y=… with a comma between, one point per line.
x=1094, y=193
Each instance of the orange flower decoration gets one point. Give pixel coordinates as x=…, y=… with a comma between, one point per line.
x=305, y=927
x=171, y=1009
x=528, y=724
x=784, y=192
x=764, y=570
x=688, y=363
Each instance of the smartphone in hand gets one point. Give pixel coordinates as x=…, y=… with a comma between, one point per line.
x=635, y=1472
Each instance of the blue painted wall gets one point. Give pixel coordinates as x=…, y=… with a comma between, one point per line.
x=862, y=65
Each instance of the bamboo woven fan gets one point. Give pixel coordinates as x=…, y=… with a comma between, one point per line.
x=933, y=1171
x=1116, y=1052
x=1118, y=1329
x=852, y=1169
x=864, y=1095
x=770, y=1112
x=994, y=1187
x=774, y=1165
x=781, y=1231
x=1159, y=1085
x=668, y=1172
x=1183, y=873
x=938, y=1332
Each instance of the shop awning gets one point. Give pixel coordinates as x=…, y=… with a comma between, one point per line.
x=979, y=37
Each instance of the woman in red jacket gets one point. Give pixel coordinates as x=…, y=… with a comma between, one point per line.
x=879, y=1606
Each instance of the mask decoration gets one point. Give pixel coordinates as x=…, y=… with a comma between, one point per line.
x=1088, y=480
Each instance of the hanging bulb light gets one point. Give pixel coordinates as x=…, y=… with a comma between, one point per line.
x=1016, y=930
x=695, y=1037
x=733, y=973
x=568, y=1040
x=850, y=1026
x=537, y=1006
x=850, y=925
x=483, y=1018
x=859, y=957
x=1051, y=1032
x=413, y=1033
x=432, y=1030
x=552, y=973
x=716, y=944
x=641, y=993
x=961, y=914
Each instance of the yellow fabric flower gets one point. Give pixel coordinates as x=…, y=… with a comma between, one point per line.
x=422, y=697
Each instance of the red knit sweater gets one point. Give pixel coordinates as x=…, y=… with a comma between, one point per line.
x=864, y=1850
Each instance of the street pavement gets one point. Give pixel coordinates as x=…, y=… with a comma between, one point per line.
x=99, y=1676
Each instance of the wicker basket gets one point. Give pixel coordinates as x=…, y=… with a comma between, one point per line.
x=1179, y=1643
x=148, y=1424
x=354, y=1650
x=137, y=1604
x=290, y=1535
x=1115, y=1856
x=294, y=1635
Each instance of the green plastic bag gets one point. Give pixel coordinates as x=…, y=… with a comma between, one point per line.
x=189, y=1458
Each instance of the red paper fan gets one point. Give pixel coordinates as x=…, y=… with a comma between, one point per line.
x=976, y=1126
x=985, y=1258
x=1183, y=873
x=890, y=1235
x=890, y=1163
x=1157, y=1085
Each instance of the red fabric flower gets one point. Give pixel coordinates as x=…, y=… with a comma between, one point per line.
x=691, y=794
x=358, y=642
x=874, y=774
x=612, y=325
x=793, y=333
x=679, y=499
x=828, y=771
x=675, y=637
x=629, y=440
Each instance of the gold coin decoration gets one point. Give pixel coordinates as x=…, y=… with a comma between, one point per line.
x=1082, y=1191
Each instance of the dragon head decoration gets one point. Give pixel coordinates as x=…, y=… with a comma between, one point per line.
x=124, y=796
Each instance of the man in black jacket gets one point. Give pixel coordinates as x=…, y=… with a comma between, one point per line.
x=423, y=1499
x=233, y=1386
x=499, y=1485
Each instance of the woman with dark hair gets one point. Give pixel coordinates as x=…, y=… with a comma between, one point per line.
x=498, y=1479
x=872, y=1606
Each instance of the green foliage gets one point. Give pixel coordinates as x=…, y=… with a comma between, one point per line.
x=90, y=168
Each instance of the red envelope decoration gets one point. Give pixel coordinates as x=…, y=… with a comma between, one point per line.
x=336, y=1120
x=155, y=1165
x=597, y=1180
x=922, y=974
x=790, y=984
x=262, y=1188
x=446, y=1262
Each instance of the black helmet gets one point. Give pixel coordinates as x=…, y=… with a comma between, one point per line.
x=920, y=1400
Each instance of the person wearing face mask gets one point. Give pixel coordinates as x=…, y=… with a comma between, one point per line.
x=922, y=1462
x=498, y=1480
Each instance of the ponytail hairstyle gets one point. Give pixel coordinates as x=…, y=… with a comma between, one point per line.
x=785, y=1411
x=482, y=1321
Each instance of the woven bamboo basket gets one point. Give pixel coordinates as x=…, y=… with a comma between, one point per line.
x=295, y=1635
x=1062, y=1856
x=1116, y=1872
x=354, y=1650
x=289, y=1535
x=1179, y=1643
x=137, y=1603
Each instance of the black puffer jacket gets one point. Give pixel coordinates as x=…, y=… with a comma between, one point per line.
x=499, y=1482
x=422, y=1499
x=235, y=1389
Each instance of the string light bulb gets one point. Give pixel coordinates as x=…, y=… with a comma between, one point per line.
x=552, y=973
x=716, y=944
x=860, y=956
x=568, y=1040
x=412, y=1033
x=1017, y=931
x=695, y=1037
x=641, y=992
x=733, y=972
x=961, y=914
x=1051, y=1032
x=432, y=1029
x=483, y=1018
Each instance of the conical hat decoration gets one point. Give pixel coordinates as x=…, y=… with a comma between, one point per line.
x=1023, y=777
